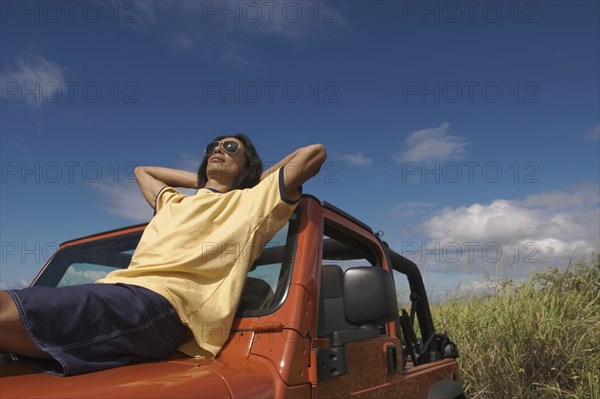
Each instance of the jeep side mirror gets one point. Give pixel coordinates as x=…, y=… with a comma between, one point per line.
x=369, y=296
x=369, y=299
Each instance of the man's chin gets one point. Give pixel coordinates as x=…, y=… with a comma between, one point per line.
x=219, y=173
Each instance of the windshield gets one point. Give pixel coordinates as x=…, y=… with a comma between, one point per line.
x=265, y=288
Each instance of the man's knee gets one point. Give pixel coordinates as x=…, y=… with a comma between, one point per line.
x=13, y=335
x=9, y=320
x=8, y=309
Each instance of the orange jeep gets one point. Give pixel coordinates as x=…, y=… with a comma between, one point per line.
x=319, y=318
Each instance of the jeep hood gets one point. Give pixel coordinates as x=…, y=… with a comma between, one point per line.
x=173, y=379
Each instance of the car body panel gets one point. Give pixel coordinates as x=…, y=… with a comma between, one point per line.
x=146, y=380
x=272, y=355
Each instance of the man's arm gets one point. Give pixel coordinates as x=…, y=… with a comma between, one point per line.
x=301, y=165
x=152, y=179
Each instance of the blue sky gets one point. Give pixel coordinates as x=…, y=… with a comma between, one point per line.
x=468, y=132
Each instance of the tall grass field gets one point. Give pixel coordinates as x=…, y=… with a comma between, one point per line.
x=537, y=340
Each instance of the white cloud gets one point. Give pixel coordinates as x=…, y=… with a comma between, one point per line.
x=74, y=276
x=412, y=208
x=565, y=223
x=581, y=196
x=480, y=285
x=124, y=200
x=227, y=32
x=6, y=286
x=356, y=159
x=191, y=163
x=34, y=80
x=432, y=144
x=593, y=134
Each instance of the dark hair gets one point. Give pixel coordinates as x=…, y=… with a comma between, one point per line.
x=249, y=176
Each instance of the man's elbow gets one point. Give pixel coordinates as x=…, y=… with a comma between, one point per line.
x=138, y=171
x=318, y=154
x=315, y=156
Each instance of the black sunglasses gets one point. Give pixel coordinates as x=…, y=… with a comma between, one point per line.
x=230, y=147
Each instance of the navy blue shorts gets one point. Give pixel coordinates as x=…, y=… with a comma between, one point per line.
x=92, y=327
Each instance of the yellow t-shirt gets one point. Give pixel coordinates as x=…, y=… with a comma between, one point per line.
x=196, y=252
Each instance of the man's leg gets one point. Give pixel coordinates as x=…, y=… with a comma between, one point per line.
x=13, y=335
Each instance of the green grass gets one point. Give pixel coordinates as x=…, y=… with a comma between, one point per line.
x=536, y=340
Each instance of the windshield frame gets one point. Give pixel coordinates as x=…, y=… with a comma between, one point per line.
x=102, y=248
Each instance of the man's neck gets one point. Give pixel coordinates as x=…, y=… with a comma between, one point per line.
x=215, y=185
